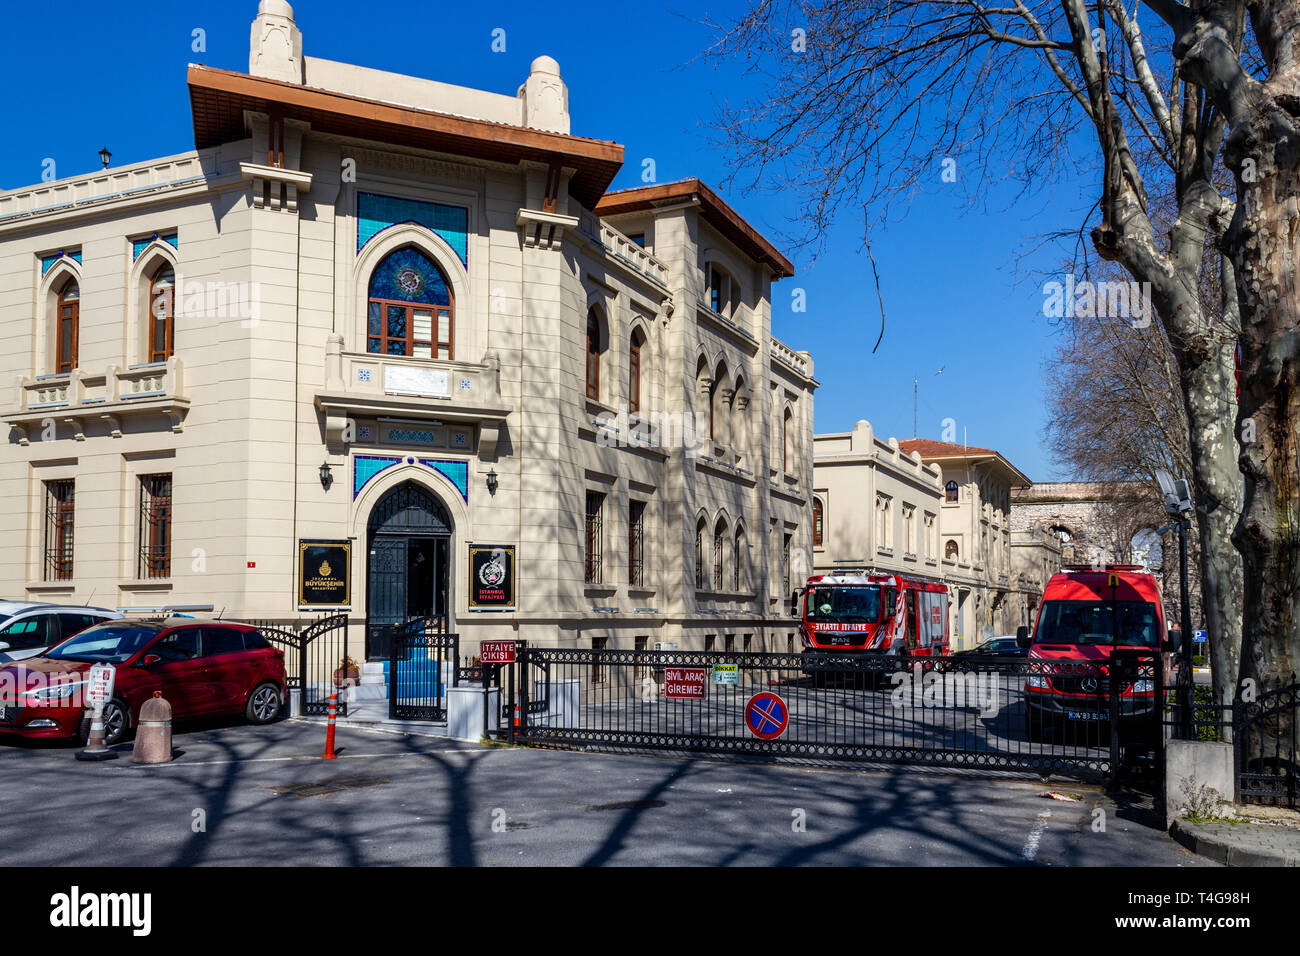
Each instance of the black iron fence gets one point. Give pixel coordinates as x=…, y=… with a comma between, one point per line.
x=424, y=663
x=316, y=660
x=1066, y=717
x=1264, y=744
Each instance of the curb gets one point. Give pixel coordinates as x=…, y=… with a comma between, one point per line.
x=1204, y=843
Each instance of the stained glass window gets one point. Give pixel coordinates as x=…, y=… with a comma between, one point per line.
x=407, y=293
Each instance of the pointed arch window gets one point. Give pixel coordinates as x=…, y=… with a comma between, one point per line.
x=411, y=309
x=634, y=372
x=162, y=314
x=69, y=326
x=593, y=354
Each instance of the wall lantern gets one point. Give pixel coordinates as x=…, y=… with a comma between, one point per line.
x=105, y=156
x=326, y=479
x=492, y=481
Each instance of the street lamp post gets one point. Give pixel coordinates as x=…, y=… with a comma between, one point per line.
x=1178, y=504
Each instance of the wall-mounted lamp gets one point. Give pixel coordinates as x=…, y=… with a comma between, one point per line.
x=105, y=156
x=326, y=479
x=492, y=481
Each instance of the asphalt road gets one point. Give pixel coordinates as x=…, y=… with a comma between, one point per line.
x=239, y=795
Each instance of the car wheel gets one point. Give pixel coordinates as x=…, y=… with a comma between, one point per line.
x=117, y=723
x=263, y=704
x=1038, y=728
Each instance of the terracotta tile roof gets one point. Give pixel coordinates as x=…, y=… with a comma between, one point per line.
x=942, y=449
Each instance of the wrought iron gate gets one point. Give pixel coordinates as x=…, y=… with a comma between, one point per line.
x=424, y=663
x=315, y=660
x=1264, y=740
x=1081, y=718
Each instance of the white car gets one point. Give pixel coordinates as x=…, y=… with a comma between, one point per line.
x=27, y=629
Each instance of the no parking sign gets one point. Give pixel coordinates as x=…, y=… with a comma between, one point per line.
x=766, y=716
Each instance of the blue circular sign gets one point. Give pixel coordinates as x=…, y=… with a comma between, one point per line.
x=766, y=716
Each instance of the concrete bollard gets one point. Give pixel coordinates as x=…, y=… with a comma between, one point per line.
x=153, y=735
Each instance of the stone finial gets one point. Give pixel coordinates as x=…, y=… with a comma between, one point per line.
x=862, y=436
x=545, y=97
x=275, y=46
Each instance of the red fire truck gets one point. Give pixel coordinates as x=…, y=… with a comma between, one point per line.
x=874, y=612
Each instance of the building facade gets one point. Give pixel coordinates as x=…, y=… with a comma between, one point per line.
x=390, y=345
x=930, y=509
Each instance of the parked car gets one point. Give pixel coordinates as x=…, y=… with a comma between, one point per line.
x=27, y=628
x=996, y=647
x=202, y=668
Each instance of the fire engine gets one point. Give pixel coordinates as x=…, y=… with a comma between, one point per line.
x=874, y=612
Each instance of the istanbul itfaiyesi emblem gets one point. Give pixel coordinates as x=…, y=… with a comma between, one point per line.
x=493, y=572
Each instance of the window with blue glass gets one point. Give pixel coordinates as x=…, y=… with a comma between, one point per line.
x=410, y=307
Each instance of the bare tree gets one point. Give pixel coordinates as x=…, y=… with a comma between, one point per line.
x=865, y=101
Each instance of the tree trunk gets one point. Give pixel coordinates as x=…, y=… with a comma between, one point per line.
x=1207, y=382
x=1264, y=241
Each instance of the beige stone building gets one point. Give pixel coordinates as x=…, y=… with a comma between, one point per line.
x=408, y=322
x=931, y=509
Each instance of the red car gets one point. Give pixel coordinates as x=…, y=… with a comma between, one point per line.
x=202, y=668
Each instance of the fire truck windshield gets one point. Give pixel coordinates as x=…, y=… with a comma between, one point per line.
x=1088, y=622
x=844, y=605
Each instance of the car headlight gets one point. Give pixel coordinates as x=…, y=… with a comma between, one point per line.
x=1037, y=681
x=1143, y=687
x=61, y=691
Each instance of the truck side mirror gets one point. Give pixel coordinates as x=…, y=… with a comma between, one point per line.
x=794, y=604
x=1022, y=636
x=1173, y=640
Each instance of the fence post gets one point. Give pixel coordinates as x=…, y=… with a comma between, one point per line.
x=1117, y=677
x=510, y=700
x=521, y=657
x=394, y=654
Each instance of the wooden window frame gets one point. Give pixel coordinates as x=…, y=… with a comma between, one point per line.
x=634, y=376
x=408, y=341
x=169, y=319
x=60, y=366
x=593, y=354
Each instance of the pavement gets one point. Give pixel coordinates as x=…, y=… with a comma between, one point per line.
x=241, y=795
x=1256, y=836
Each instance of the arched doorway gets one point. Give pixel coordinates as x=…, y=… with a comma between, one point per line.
x=408, y=566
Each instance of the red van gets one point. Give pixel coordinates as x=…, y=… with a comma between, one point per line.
x=1086, y=615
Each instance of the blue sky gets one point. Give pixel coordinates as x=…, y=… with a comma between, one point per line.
x=956, y=295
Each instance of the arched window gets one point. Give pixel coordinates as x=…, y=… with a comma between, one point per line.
x=162, y=314
x=719, y=554
x=787, y=441
x=700, y=527
x=817, y=523
x=739, y=572
x=950, y=491
x=411, y=308
x=634, y=371
x=593, y=354
x=69, y=323
x=950, y=550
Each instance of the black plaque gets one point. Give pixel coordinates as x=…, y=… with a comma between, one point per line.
x=324, y=573
x=492, y=577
